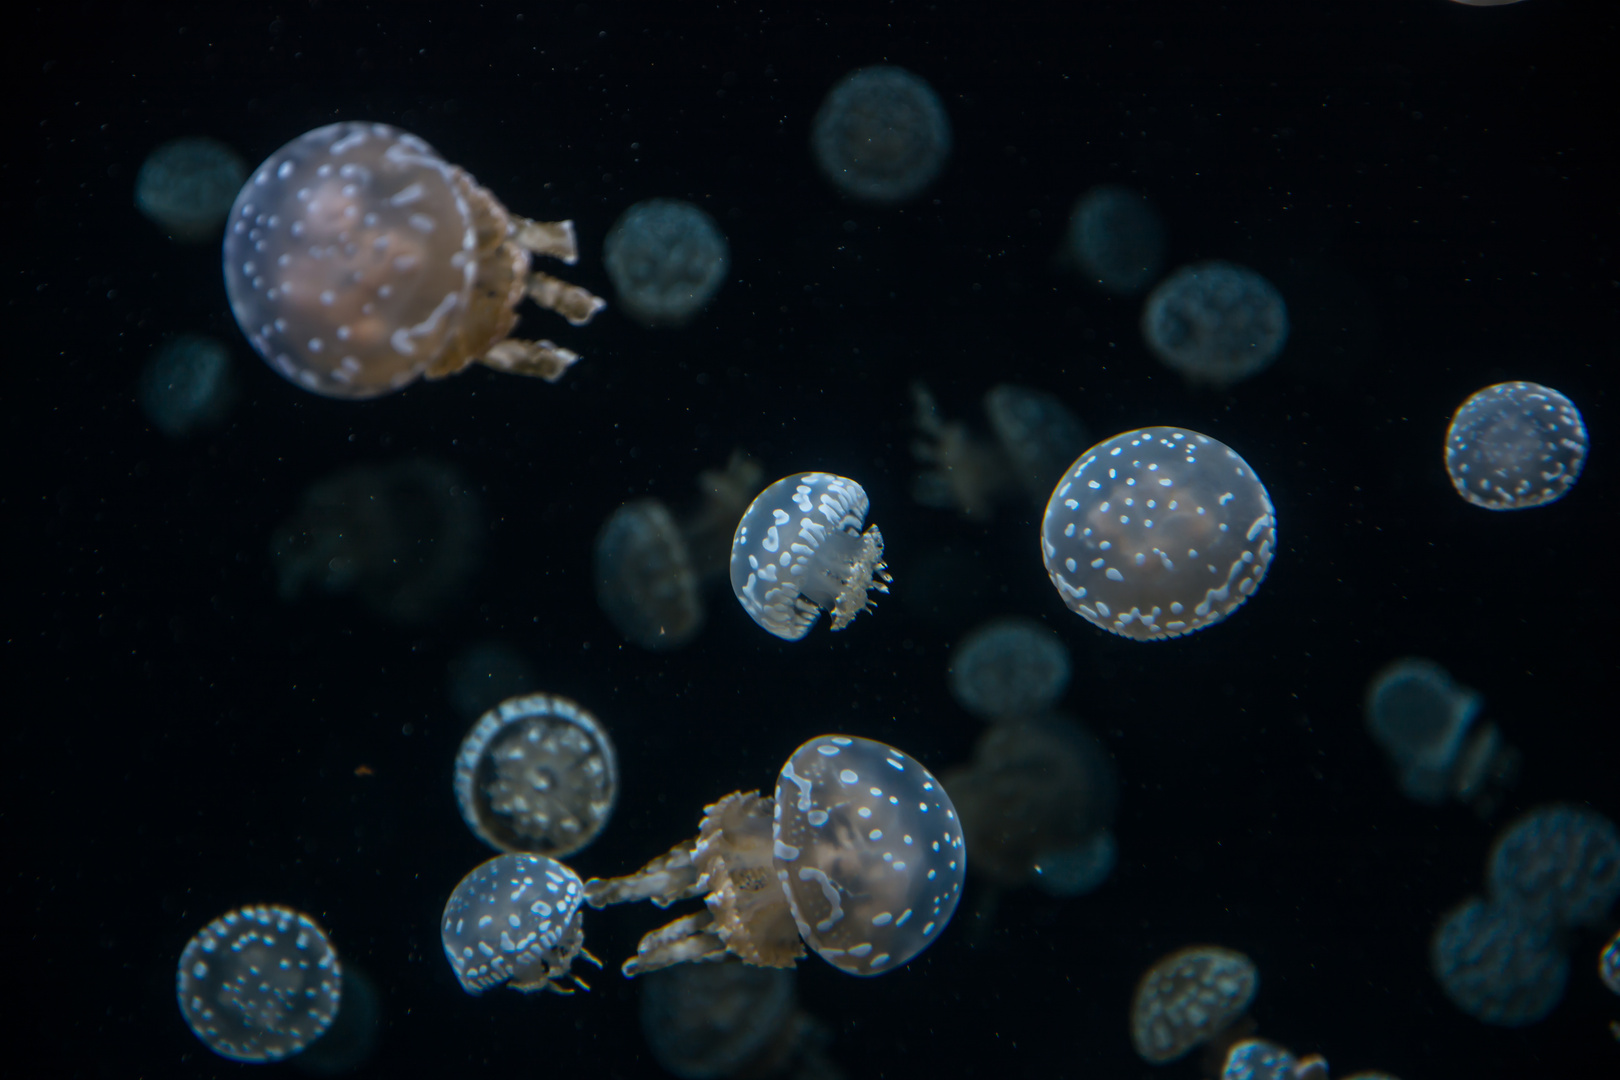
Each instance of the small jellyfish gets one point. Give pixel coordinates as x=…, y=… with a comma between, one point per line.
x=1215, y=322
x=1609, y=964
x=1188, y=998
x=667, y=259
x=1257, y=1059
x=1038, y=434
x=881, y=135
x=1155, y=533
x=1077, y=870
x=1499, y=963
x=1559, y=862
x=259, y=983
x=537, y=774
x=1515, y=445
x=485, y=674
x=1009, y=667
x=730, y=1019
x=358, y=260
x=516, y=919
x=799, y=550
x=1425, y=722
x=187, y=385
x=1116, y=238
x=187, y=186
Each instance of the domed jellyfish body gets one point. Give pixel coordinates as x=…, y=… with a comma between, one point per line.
x=187, y=385
x=1499, y=963
x=1559, y=862
x=1189, y=998
x=1077, y=870
x=1215, y=322
x=881, y=135
x=259, y=983
x=1257, y=1059
x=516, y=919
x=187, y=186
x=1158, y=532
x=1038, y=434
x=537, y=774
x=1116, y=238
x=644, y=577
x=729, y=1019
x=667, y=259
x=1515, y=445
x=1609, y=964
x=485, y=674
x=1009, y=668
x=358, y=260
x=1421, y=718
x=799, y=550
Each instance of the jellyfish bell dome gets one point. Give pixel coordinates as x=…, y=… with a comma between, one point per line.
x=1514, y=446
x=516, y=919
x=1188, y=998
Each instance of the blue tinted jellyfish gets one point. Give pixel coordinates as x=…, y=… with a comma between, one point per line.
x=730, y=1019
x=1421, y=719
x=187, y=186
x=1609, y=964
x=1559, y=862
x=667, y=259
x=1188, y=998
x=485, y=674
x=644, y=578
x=1499, y=962
x=799, y=550
x=1009, y=667
x=881, y=135
x=1257, y=1059
x=1215, y=322
x=1077, y=870
x=1515, y=445
x=187, y=385
x=537, y=774
x=516, y=919
x=358, y=260
x=1036, y=436
x=1116, y=238
x=1156, y=533
x=259, y=983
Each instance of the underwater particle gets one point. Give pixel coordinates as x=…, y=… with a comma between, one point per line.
x=1116, y=238
x=259, y=983
x=1009, y=667
x=187, y=385
x=730, y=1019
x=1498, y=962
x=1158, y=532
x=1077, y=870
x=881, y=135
x=1037, y=432
x=1560, y=862
x=187, y=186
x=799, y=550
x=1189, y=997
x=516, y=919
x=537, y=774
x=667, y=258
x=644, y=578
x=1215, y=322
x=1609, y=964
x=1515, y=445
x=358, y=260
x=485, y=674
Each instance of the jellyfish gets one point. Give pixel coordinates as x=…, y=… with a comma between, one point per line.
x=187, y=385
x=1609, y=964
x=1035, y=437
x=485, y=674
x=1498, y=962
x=352, y=1039
x=516, y=919
x=730, y=1019
x=1425, y=722
x=537, y=774
x=858, y=855
x=1156, y=533
x=1215, y=322
x=881, y=136
x=1116, y=238
x=1515, y=445
x=357, y=260
x=1038, y=434
x=1189, y=998
x=799, y=550
x=1559, y=862
x=1077, y=870
x=1258, y=1059
x=187, y=185
x=259, y=983
x=1011, y=667
x=667, y=259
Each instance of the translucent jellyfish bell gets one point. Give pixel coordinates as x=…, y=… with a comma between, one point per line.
x=187, y=186
x=644, y=577
x=1009, y=667
x=1116, y=238
x=516, y=919
x=1560, y=861
x=259, y=983
x=1499, y=963
x=730, y=1019
x=1514, y=446
x=1421, y=718
x=1188, y=998
x=881, y=135
x=357, y=260
x=1215, y=322
x=799, y=550
x=1158, y=532
x=187, y=385
x=1037, y=432
x=667, y=259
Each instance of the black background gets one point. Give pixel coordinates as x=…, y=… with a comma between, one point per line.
x=1431, y=186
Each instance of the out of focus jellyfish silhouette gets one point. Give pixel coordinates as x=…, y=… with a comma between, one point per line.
x=1426, y=723
x=667, y=258
x=1077, y=870
x=859, y=855
x=1498, y=962
x=186, y=186
x=1190, y=998
x=1116, y=239
x=404, y=536
x=1215, y=322
x=1561, y=863
x=1258, y=1059
x=352, y=1039
x=1010, y=667
x=518, y=920
x=187, y=385
x=1515, y=445
x=799, y=550
x=1156, y=533
x=358, y=260
x=485, y=674
x=259, y=983
x=1035, y=437
x=731, y=1019
x=537, y=774
x=1609, y=964
x=881, y=135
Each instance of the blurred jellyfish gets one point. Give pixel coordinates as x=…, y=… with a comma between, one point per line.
x=1499, y=962
x=1011, y=667
x=187, y=385
x=1077, y=870
x=516, y=919
x=1215, y=322
x=537, y=774
x=1426, y=724
x=259, y=983
x=1036, y=436
x=881, y=135
x=667, y=259
x=485, y=674
x=1116, y=238
x=799, y=551
x=1158, y=532
x=1257, y=1059
x=1560, y=862
x=858, y=855
x=1188, y=998
x=404, y=536
x=357, y=260
x=730, y=1019
x=1609, y=964
x=186, y=186
x=352, y=1039
x=1515, y=445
